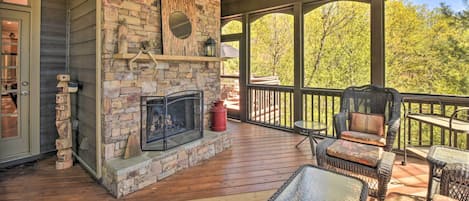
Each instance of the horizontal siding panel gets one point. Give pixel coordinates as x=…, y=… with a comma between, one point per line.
x=85, y=62
x=86, y=21
x=53, y=29
x=76, y=3
x=89, y=131
x=53, y=61
x=53, y=52
x=53, y=4
x=83, y=35
x=53, y=48
x=54, y=38
x=82, y=66
x=86, y=119
x=87, y=48
x=55, y=17
x=82, y=9
x=84, y=75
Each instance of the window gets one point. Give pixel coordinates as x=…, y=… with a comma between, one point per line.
x=426, y=47
x=19, y=2
x=337, y=45
x=272, y=50
x=232, y=27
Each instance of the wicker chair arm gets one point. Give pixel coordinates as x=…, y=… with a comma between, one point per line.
x=340, y=123
x=393, y=129
x=386, y=164
x=455, y=174
x=321, y=151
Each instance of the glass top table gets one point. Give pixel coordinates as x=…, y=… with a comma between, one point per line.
x=448, y=155
x=313, y=129
x=437, y=158
x=316, y=184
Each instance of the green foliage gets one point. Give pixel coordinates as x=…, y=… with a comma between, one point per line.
x=337, y=45
x=232, y=27
x=426, y=50
x=272, y=47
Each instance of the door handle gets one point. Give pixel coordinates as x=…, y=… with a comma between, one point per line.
x=24, y=93
x=25, y=83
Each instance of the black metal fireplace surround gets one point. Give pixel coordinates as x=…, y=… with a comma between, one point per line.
x=171, y=120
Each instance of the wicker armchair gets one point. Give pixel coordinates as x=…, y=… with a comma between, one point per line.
x=455, y=181
x=371, y=99
x=368, y=99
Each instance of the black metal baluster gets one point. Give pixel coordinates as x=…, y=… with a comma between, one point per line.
x=420, y=126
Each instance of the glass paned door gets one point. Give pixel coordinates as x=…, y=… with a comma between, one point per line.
x=230, y=77
x=14, y=74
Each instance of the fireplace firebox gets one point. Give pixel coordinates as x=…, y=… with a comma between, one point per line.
x=172, y=120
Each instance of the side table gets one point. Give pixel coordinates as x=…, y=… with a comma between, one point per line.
x=313, y=129
x=438, y=157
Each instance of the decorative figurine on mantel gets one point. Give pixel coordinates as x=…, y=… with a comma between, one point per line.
x=62, y=122
x=122, y=43
x=145, y=47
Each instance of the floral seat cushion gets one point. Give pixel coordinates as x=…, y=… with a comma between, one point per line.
x=364, y=138
x=356, y=152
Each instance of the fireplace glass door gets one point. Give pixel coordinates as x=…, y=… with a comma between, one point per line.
x=170, y=121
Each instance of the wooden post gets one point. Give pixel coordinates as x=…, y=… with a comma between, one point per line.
x=62, y=121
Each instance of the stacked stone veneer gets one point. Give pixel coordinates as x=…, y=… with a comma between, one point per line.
x=122, y=177
x=122, y=89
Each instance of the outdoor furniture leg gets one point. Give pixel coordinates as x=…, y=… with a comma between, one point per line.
x=312, y=141
x=430, y=181
x=297, y=145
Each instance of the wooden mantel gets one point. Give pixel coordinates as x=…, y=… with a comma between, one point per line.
x=129, y=56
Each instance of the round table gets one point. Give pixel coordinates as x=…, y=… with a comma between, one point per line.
x=313, y=129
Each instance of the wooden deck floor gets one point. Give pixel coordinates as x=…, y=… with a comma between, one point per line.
x=260, y=159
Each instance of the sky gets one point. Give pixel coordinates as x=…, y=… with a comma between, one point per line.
x=455, y=5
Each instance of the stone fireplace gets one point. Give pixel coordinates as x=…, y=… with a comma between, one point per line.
x=172, y=120
x=126, y=88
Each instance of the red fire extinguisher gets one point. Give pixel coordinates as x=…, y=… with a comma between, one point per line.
x=218, y=116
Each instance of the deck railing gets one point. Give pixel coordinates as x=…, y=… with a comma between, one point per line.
x=270, y=106
x=320, y=105
x=273, y=106
x=423, y=134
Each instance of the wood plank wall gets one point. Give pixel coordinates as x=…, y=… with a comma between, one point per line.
x=82, y=67
x=53, y=59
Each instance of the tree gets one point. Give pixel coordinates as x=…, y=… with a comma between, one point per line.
x=272, y=47
x=337, y=45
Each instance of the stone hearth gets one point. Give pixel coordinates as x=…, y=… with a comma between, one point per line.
x=122, y=177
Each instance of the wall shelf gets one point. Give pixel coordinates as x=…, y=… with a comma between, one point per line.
x=129, y=56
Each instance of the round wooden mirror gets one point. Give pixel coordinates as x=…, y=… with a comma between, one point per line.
x=180, y=25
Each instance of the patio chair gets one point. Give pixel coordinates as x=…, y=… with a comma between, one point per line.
x=363, y=147
x=454, y=182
